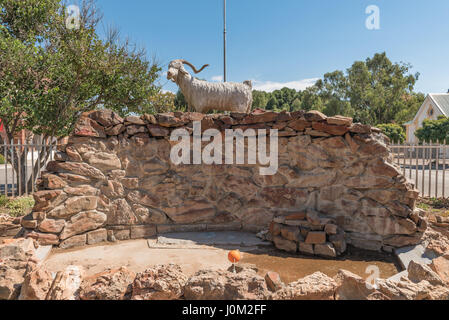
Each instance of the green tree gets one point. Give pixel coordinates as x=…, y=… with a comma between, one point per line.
x=372, y=91
x=272, y=104
x=434, y=130
x=260, y=99
x=50, y=74
x=296, y=105
x=395, y=132
x=180, y=102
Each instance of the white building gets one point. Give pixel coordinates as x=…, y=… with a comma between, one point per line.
x=435, y=105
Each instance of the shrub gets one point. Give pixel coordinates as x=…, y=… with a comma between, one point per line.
x=17, y=206
x=393, y=131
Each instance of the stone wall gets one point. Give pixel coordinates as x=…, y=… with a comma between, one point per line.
x=336, y=184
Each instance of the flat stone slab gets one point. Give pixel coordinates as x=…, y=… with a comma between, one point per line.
x=397, y=277
x=42, y=252
x=195, y=239
x=412, y=253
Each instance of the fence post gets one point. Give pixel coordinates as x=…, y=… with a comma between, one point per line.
x=437, y=168
x=444, y=167
x=6, y=167
x=416, y=167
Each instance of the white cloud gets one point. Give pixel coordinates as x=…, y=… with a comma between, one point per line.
x=270, y=86
x=217, y=78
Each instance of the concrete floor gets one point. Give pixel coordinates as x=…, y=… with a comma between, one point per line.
x=192, y=251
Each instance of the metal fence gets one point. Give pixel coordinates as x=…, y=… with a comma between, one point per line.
x=18, y=172
x=426, y=166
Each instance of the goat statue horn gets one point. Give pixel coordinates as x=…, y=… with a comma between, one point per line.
x=193, y=67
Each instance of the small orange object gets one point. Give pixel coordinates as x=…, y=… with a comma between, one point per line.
x=234, y=256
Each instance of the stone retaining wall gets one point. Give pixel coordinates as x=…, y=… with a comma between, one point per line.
x=335, y=185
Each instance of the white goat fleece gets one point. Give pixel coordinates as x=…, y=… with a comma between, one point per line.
x=206, y=96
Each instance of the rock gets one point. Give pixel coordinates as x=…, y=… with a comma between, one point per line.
x=82, y=222
x=44, y=239
x=72, y=154
x=273, y=281
x=334, y=130
x=316, y=133
x=82, y=169
x=104, y=161
x=299, y=124
x=122, y=235
x=191, y=212
x=316, y=237
x=259, y=118
x=109, y=285
x=306, y=248
x=352, y=287
x=142, y=232
x=275, y=229
x=330, y=229
x=360, y=128
x=169, y=120
x=83, y=190
x=339, y=120
x=121, y=213
x=11, y=280
x=16, y=259
x=43, y=199
x=19, y=250
x=441, y=267
x=106, y=118
x=29, y=224
x=290, y=233
x=113, y=189
x=51, y=225
x=317, y=286
x=97, y=236
x=135, y=129
x=286, y=245
x=36, y=285
x=75, y=241
x=164, y=282
x=402, y=241
x=53, y=182
x=158, y=131
x=66, y=285
x=315, y=115
x=418, y=272
x=326, y=250
x=339, y=242
x=134, y=120
x=225, y=285
x=115, y=130
x=404, y=289
x=376, y=295
x=86, y=127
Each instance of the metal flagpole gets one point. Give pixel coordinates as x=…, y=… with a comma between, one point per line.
x=224, y=40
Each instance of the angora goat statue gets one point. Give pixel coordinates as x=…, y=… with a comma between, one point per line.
x=206, y=96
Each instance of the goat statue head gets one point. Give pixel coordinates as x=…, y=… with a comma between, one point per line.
x=177, y=66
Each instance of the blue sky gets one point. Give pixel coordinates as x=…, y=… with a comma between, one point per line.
x=288, y=42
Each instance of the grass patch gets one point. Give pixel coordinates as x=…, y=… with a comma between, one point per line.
x=434, y=205
x=16, y=207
